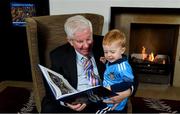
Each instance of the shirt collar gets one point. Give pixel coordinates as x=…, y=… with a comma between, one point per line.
x=80, y=57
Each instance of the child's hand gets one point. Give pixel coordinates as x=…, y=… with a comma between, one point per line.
x=118, y=98
x=108, y=87
x=103, y=59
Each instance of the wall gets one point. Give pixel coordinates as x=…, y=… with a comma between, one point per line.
x=103, y=6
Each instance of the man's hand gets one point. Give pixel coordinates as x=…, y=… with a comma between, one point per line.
x=79, y=104
x=77, y=107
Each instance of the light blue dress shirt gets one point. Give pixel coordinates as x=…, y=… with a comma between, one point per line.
x=83, y=82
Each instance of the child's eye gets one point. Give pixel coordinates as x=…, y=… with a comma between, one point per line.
x=112, y=51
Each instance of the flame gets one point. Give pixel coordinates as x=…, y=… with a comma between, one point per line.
x=144, y=53
x=151, y=57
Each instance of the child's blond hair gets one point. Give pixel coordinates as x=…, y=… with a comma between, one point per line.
x=115, y=35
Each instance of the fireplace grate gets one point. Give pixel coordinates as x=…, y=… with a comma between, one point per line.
x=145, y=66
x=151, y=72
x=151, y=68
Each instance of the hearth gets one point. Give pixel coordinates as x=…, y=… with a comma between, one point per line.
x=157, y=30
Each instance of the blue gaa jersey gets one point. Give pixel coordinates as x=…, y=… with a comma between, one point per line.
x=118, y=72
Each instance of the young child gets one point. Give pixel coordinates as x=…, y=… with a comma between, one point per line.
x=118, y=75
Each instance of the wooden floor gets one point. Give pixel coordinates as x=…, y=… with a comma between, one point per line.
x=158, y=91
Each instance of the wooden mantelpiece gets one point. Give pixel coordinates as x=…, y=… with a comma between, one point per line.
x=115, y=11
x=123, y=17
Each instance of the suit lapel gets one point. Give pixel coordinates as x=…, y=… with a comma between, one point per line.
x=71, y=64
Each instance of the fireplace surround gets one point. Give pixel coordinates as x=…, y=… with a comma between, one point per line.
x=158, y=29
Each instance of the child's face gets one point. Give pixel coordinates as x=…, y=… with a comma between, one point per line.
x=113, y=52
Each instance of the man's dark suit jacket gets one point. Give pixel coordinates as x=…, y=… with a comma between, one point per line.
x=63, y=60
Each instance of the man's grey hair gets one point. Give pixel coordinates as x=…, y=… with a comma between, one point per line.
x=76, y=24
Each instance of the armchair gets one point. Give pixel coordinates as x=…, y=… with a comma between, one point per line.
x=44, y=33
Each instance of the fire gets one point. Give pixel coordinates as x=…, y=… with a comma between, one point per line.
x=144, y=55
x=150, y=57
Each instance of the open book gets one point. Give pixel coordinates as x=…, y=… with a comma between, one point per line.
x=63, y=91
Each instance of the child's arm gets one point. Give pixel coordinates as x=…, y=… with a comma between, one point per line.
x=119, y=87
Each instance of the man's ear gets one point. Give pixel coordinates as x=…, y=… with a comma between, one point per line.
x=70, y=41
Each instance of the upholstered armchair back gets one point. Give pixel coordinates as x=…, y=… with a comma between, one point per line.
x=45, y=33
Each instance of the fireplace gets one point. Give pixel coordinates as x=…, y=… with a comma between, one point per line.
x=157, y=31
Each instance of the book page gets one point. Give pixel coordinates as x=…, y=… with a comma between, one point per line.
x=58, y=84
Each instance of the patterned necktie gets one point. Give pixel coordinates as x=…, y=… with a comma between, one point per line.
x=88, y=68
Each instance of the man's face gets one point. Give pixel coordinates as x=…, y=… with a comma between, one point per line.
x=83, y=42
